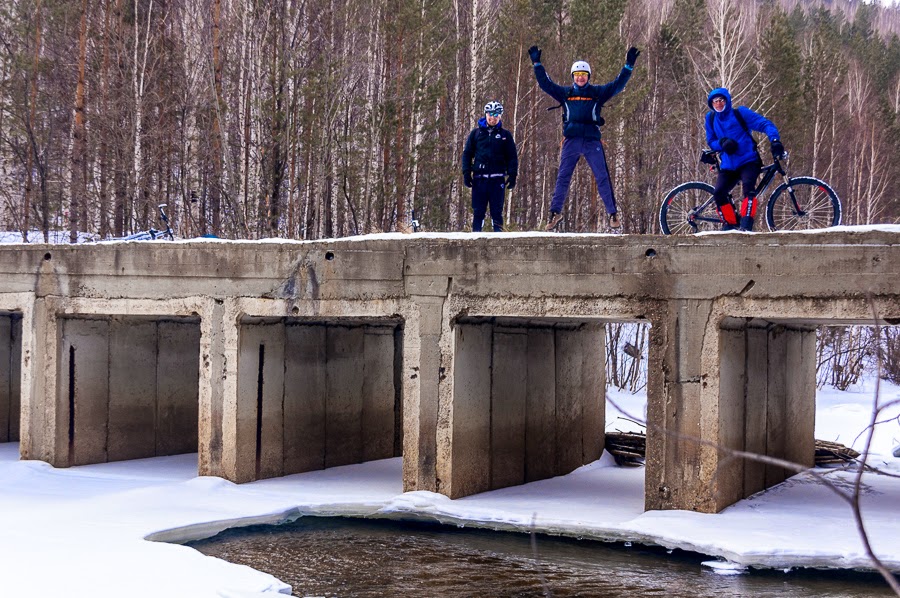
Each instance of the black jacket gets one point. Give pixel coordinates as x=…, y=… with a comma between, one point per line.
x=581, y=105
x=490, y=150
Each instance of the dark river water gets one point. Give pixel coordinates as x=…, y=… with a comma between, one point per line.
x=355, y=557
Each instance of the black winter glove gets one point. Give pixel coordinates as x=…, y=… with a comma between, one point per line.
x=467, y=179
x=631, y=58
x=511, y=181
x=777, y=148
x=535, y=53
x=729, y=145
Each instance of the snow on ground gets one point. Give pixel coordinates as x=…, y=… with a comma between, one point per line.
x=81, y=531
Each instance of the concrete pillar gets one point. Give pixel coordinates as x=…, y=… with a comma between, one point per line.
x=790, y=418
x=379, y=396
x=569, y=399
x=6, y=398
x=177, y=386
x=673, y=406
x=343, y=399
x=217, y=389
x=15, y=380
x=42, y=403
x=260, y=419
x=593, y=389
x=540, y=411
x=727, y=482
x=528, y=404
x=84, y=388
x=508, y=402
x=132, y=371
x=756, y=408
x=304, y=398
x=469, y=470
x=422, y=384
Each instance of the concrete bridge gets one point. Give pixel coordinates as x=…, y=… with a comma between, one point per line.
x=479, y=359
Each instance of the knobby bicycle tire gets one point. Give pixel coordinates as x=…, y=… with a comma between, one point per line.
x=678, y=204
x=819, y=206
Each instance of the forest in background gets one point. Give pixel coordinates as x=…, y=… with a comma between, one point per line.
x=311, y=119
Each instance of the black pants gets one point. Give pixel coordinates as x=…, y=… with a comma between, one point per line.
x=488, y=191
x=747, y=175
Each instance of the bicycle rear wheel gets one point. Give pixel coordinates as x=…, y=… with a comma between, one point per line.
x=687, y=209
x=803, y=203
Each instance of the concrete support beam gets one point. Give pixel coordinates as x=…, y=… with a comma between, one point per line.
x=673, y=407
x=314, y=395
x=304, y=398
x=177, y=388
x=132, y=389
x=528, y=403
x=540, y=411
x=508, y=402
x=756, y=388
x=10, y=374
x=425, y=344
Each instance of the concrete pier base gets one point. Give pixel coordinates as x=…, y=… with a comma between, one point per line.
x=747, y=386
x=127, y=388
x=528, y=403
x=10, y=375
x=313, y=395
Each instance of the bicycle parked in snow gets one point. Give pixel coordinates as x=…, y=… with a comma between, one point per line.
x=799, y=203
x=152, y=234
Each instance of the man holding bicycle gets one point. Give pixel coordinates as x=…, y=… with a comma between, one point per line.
x=728, y=132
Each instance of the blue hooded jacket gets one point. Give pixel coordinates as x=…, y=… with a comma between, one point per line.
x=725, y=124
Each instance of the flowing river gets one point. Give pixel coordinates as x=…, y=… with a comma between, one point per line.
x=337, y=557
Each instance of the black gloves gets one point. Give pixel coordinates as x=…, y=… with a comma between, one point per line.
x=729, y=145
x=777, y=149
x=633, y=53
x=511, y=181
x=467, y=179
x=535, y=53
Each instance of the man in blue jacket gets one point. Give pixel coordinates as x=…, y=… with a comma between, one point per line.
x=581, y=104
x=728, y=132
x=490, y=164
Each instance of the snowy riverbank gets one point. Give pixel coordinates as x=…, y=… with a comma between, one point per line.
x=81, y=531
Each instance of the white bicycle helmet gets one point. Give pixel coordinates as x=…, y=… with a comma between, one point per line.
x=580, y=65
x=493, y=108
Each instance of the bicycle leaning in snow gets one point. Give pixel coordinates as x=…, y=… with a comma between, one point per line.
x=152, y=234
x=799, y=203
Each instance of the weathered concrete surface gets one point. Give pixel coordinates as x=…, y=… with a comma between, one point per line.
x=10, y=375
x=705, y=313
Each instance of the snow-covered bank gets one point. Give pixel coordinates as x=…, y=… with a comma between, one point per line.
x=81, y=531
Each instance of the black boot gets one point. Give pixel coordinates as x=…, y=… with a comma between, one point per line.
x=746, y=223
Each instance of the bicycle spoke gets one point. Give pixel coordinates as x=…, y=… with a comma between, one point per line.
x=679, y=212
x=818, y=206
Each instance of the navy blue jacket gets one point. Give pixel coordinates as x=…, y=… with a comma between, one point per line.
x=725, y=124
x=490, y=150
x=581, y=105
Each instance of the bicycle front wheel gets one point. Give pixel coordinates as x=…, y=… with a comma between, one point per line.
x=688, y=209
x=803, y=203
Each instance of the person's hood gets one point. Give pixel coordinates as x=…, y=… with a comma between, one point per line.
x=482, y=122
x=719, y=91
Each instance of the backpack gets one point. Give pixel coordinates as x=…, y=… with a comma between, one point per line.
x=741, y=121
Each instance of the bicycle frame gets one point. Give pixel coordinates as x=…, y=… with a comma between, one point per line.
x=768, y=172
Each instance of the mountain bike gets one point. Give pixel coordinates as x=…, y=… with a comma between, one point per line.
x=799, y=203
x=152, y=234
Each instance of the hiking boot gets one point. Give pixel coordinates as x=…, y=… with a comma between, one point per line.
x=555, y=219
x=727, y=227
x=614, y=222
x=746, y=223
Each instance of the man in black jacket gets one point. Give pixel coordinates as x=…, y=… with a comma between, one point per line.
x=490, y=165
